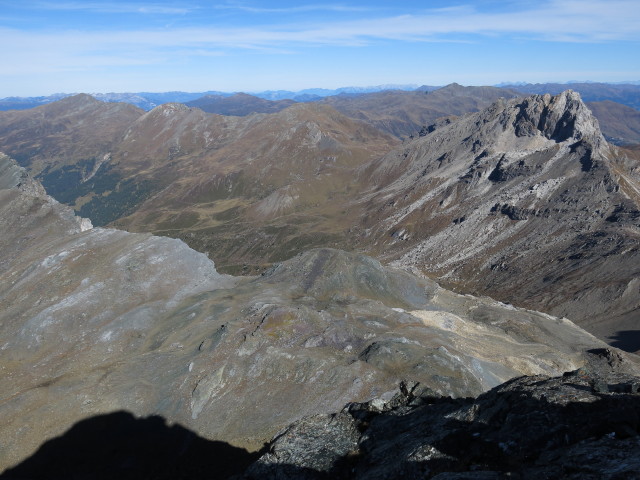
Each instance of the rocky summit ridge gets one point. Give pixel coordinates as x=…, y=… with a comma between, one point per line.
x=96, y=321
x=524, y=201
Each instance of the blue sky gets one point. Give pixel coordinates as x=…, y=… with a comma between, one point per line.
x=130, y=46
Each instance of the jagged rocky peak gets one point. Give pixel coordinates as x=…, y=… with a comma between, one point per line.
x=512, y=127
x=517, y=125
x=513, y=201
x=558, y=117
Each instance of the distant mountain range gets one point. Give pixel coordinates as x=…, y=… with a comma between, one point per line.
x=625, y=93
x=401, y=110
x=148, y=100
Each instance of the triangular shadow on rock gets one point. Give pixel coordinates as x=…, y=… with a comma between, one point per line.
x=118, y=445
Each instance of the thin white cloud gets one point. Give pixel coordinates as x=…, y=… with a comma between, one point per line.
x=297, y=9
x=556, y=21
x=111, y=7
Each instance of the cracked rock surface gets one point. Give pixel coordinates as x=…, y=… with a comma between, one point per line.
x=583, y=424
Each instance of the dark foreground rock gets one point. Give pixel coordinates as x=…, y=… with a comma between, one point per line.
x=583, y=424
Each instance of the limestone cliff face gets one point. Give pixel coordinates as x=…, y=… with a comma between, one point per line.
x=101, y=320
x=524, y=201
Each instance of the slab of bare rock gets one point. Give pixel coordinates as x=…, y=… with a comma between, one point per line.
x=530, y=427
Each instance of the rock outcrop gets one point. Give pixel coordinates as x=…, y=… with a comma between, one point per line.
x=582, y=425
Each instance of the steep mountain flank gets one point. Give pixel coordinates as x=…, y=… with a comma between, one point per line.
x=524, y=201
x=95, y=321
x=77, y=131
x=404, y=114
x=69, y=146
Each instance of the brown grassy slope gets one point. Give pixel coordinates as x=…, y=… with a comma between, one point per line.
x=253, y=189
x=240, y=104
x=64, y=132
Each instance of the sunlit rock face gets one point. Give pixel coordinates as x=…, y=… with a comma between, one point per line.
x=97, y=320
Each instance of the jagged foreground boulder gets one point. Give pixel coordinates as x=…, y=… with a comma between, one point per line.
x=582, y=425
x=94, y=321
x=524, y=201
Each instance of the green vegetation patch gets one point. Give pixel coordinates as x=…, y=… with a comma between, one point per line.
x=65, y=183
x=106, y=196
x=120, y=202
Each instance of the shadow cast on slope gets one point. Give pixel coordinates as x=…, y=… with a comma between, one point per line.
x=627, y=340
x=120, y=446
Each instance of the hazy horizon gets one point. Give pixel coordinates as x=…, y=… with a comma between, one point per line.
x=363, y=87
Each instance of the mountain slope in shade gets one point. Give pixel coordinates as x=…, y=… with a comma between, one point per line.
x=239, y=104
x=524, y=201
x=94, y=321
x=403, y=114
